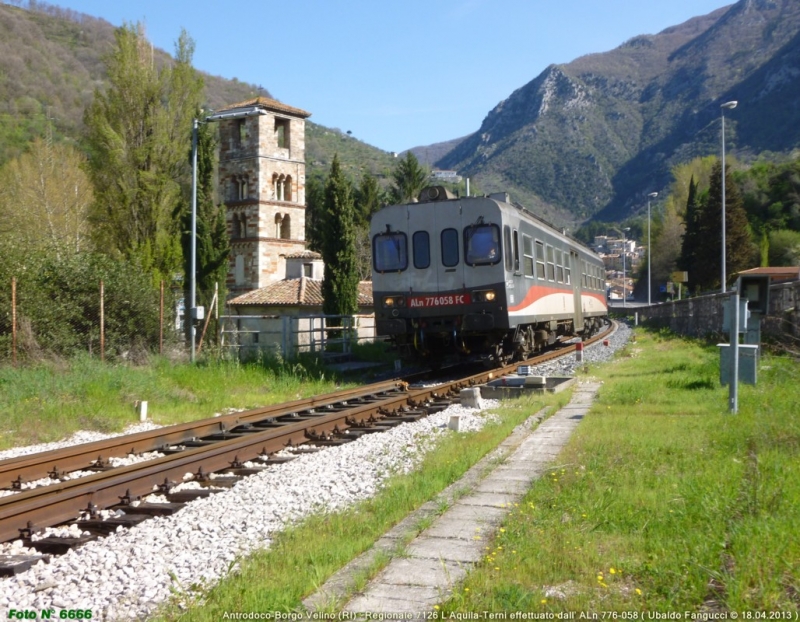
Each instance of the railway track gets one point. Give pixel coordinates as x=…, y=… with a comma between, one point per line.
x=218, y=445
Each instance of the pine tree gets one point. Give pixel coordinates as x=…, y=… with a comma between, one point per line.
x=369, y=197
x=409, y=179
x=340, y=285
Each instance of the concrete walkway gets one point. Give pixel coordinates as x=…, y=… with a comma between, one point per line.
x=425, y=569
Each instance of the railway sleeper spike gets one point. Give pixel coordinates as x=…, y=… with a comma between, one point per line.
x=56, y=474
x=201, y=475
x=100, y=463
x=127, y=498
x=26, y=532
x=165, y=487
x=17, y=483
x=236, y=463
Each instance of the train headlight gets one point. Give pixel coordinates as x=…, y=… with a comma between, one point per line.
x=486, y=295
x=392, y=302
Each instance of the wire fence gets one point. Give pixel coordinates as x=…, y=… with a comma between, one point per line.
x=119, y=322
x=99, y=320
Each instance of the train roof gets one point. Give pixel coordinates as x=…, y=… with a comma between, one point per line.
x=435, y=194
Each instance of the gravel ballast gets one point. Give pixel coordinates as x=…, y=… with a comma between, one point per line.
x=131, y=572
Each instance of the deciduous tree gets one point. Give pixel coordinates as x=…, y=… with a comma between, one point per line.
x=137, y=132
x=45, y=198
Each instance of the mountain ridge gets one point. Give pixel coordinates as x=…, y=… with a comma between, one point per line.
x=591, y=138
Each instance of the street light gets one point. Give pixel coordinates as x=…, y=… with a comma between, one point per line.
x=650, y=196
x=624, y=252
x=195, y=314
x=730, y=106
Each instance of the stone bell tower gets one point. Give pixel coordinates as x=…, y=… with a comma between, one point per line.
x=262, y=175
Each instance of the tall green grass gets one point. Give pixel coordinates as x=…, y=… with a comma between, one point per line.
x=664, y=500
x=52, y=400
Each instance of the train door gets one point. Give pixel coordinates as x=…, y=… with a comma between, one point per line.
x=576, y=273
x=447, y=261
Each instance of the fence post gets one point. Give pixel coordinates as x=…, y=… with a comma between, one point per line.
x=161, y=321
x=102, y=323
x=14, y=320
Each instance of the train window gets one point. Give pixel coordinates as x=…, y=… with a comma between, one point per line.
x=569, y=261
x=583, y=274
x=539, y=260
x=482, y=244
x=507, y=246
x=421, y=244
x=527, y=255
x=559, y=266
x=390, y=252
x=516, y=251
x=551, y=264
x=449, y=247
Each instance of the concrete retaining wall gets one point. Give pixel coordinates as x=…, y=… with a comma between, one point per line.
x=702, y=316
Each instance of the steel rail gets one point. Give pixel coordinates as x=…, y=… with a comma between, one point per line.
x=65, y=501
x=15, y=471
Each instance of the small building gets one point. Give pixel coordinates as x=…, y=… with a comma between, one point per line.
x=448, y=176
x=286, y=316
x=778, y=274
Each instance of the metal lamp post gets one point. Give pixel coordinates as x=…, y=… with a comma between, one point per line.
x=650, y=196
x=195, y=314
x=730, y=106
x=624, y=280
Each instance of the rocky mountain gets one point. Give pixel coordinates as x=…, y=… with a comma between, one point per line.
x=591, y=138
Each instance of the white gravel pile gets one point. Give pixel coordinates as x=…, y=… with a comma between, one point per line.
x=129, y=573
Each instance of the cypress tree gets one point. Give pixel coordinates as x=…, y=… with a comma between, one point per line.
x=340, y=285
x=689, y=243
x=739, y=248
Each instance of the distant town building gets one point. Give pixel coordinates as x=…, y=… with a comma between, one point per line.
x=448, y=176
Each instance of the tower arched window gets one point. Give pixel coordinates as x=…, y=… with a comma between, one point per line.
x=287, y=188
x=286, y=228
x=278, y=224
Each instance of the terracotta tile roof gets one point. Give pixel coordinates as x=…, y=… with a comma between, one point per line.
x=303, y=292
x=303, y=255
x=268, y=104
x=780, y=273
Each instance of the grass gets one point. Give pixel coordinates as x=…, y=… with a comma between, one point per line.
x=662, y=501
x=666, y=501
x=51, y=400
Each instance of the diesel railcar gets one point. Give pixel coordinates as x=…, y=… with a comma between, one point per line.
x=479, y=278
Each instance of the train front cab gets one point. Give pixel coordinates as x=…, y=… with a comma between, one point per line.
x=438, y=277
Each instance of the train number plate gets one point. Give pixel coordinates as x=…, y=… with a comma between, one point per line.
x=447, y=300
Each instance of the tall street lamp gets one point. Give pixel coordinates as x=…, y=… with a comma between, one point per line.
x=650, y=196
x=730, y=106
x=196, y=313
x=624, y=252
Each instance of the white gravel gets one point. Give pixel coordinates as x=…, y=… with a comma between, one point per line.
x=131, y=572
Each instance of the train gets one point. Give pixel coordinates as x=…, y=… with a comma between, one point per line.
x=479, y=278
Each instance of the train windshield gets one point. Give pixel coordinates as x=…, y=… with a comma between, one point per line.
x=482, y=244
x=390, y=252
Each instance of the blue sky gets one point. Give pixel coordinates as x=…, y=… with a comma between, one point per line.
x=396, y=73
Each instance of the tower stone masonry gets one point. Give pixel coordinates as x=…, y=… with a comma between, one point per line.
x=262, y=176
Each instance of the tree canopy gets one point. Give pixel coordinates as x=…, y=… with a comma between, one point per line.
x=138, y=130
